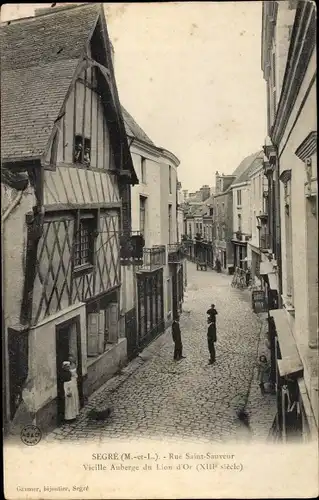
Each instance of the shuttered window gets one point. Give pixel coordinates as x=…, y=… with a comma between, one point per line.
x=102, y=329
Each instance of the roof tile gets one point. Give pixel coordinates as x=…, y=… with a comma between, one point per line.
x=36, y=75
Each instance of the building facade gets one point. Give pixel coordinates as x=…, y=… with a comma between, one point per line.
x=69, y=138
x=289, y=65
x=153, y=288
x=258, y=246
x=242, y=220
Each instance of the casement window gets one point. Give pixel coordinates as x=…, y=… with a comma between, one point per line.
x=102, y=329
x=170, y=179
x=239, y=222
x=211, y=211
x=142, y=214
x=82, y=150
x=143, y=170
x=239, y=197
x=84, y=240
x=169, y=224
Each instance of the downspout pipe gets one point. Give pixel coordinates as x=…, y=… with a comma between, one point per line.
x=12, y=206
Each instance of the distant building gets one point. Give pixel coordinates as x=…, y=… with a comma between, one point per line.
x=228, y=249
x=258, y=247
x=242, y=223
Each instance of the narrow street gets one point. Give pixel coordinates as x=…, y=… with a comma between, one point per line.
x=157, y=397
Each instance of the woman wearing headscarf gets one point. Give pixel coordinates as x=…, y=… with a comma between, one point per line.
x=74, y=379
x=70, y=411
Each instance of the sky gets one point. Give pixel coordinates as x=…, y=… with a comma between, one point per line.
x=190, y=75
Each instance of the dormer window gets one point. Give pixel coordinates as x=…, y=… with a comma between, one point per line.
x=82, y=150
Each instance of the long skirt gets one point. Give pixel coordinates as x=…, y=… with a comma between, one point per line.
x=72, y=406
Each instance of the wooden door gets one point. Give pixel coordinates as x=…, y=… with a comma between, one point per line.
x=93, y=334
x=68, y=341
x=62, y=354
x=113, y=322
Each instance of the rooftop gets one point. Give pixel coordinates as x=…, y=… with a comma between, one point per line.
x=38, y=59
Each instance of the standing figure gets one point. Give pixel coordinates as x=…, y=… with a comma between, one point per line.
x=71, y=395
x=177, y=339
x=263, y=373
x=212, y=313
x=218, y=265
x=67, y=387
x=74, y=380
x=211, y=339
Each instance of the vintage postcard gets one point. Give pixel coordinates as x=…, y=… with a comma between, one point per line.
x=159, y=227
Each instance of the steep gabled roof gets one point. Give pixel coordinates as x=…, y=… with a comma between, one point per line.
x=241, y=173
x=133, y=129
x=254, y=162
x=31, y=99
x=39, y=56
x=39, y=59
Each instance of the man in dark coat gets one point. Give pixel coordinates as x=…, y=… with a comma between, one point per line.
x=176, y=333
x=211, y=339
x=212, y=313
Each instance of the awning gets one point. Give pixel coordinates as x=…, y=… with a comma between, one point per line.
x=266, y=267
x=273, y=281
x=290, y=364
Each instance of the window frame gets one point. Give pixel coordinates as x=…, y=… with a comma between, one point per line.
x=239, y=200
x=143, y=170
x=143, y=201
x=170, y=212
x=84, y=142
x=88, y=266
x=170, y=179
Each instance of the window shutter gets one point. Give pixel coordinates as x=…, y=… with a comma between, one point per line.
x=93, y=330
x=101, y=332
x=113, y=322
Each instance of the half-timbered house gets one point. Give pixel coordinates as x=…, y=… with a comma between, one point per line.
x=62, y=124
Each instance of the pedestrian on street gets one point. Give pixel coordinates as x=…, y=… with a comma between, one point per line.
x=177, y=339
x=212, y=313
x=211, y=339
x=263, y=373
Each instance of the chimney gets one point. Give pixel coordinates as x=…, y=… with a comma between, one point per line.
x=205, y=192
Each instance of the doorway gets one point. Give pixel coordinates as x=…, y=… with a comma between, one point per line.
x=224, y=260
x=68, y=342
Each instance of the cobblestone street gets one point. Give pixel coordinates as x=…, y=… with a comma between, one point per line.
x=156, y=397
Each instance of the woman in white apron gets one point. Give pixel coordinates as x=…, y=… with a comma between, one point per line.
x=74, y=380
x=71, y=393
